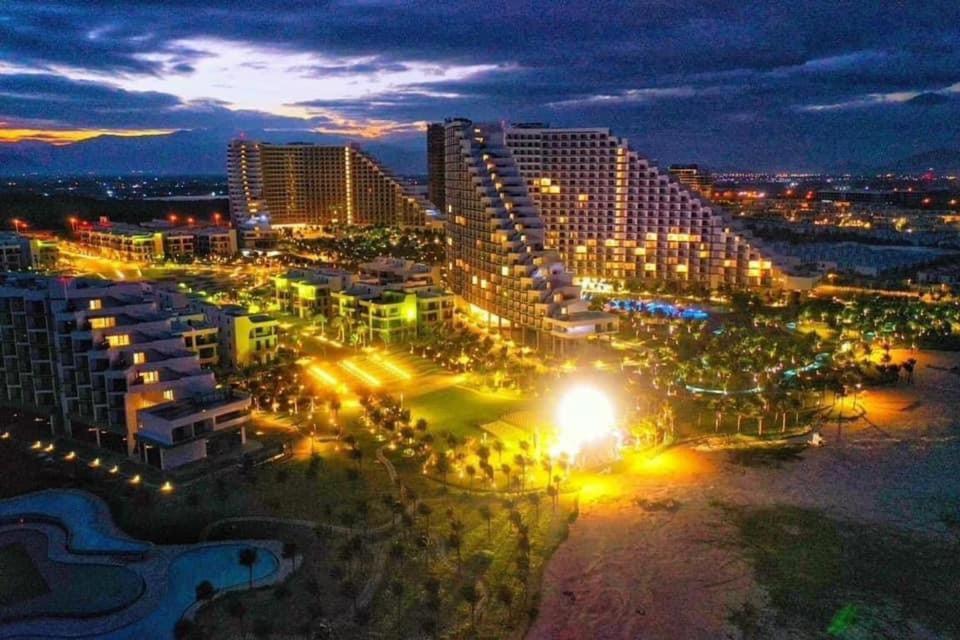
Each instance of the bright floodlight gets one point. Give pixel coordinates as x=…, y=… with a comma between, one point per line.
x=584, y=416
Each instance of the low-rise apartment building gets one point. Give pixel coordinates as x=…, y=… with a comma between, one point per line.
x=306, y=293
x=245, y=338
x=100, y=356
x=20, y=253
x=390, y=315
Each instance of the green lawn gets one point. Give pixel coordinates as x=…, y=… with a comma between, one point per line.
x=19, y=578
x=462, y=411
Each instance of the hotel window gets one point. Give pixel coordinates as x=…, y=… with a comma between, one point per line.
x=139, y=357
x=103, y=323
x=121, y=340
x=168, y=394
x=95, y=304
x=149, y=377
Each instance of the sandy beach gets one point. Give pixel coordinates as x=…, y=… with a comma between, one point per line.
x=638, y=566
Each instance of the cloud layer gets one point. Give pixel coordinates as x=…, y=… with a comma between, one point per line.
x=763, y=84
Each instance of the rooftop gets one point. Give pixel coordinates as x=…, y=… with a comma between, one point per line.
x=177, y=409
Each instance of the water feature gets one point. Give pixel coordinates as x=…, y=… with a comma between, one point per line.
x=218, y=563
x=87, y=520
x=657, y=308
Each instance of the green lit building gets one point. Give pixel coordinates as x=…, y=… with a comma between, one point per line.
x=389, y=316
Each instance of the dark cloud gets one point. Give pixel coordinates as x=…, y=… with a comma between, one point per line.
x=774, y=83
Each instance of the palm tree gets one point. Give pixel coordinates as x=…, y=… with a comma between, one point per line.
x=521, y=461
x=424, y=510
x=357, y=455
x=487, y=514
x=472, y=472
x=290, y=553
x=248, y=558
x=396, y=590
x=505, y=597
x=553, y=493
x=455, y=541
x=471, y=595
x=321, y=320
x=534, y=499
x=334, y=405
x=498, y=447
x=205, y=591
x=442, y=465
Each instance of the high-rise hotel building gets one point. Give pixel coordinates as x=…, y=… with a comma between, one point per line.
x=436, y=165
x=613, y=216
x=309, y=184
x=496, y=261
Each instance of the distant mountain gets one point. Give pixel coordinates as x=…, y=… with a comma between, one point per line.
x=939, y=160
x=178, y=153
x=930, y=99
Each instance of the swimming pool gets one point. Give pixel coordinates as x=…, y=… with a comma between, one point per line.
x=218, y=563
x=656, y=308
x=85, y=517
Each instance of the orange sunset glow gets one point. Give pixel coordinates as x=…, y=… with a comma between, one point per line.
x=69, y=136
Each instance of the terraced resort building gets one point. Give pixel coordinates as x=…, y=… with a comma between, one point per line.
x=114, y=369
x=496, y=261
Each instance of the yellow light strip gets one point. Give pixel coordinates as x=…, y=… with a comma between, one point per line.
x=392, y=367
x=324, y=376
x=367, y=377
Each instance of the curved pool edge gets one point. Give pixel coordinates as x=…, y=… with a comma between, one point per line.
x=98, y=521
x=277, y=576
x=137, y=621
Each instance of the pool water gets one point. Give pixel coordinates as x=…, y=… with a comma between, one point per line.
x=220, y=564
x=86, y=519
x=656, y=308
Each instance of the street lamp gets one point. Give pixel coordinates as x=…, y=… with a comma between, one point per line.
x=17, y=223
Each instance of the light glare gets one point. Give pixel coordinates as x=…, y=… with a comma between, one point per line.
x=584, y=415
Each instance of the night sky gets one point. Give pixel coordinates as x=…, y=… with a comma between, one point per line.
x=743, y=84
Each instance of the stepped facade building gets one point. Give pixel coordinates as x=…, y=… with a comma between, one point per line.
x=496, y=261
x=309, y=184
x=113, y=368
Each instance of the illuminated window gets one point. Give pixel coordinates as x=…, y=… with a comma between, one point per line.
x=504, y=270
x=103, y=323
x=121, y=340
x=149, y=377
x=583, y=197
x=651, y=236
x=139, y=357
x=95, y=304
x=168, y=394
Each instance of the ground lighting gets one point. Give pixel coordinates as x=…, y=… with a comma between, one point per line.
x=584, y=415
